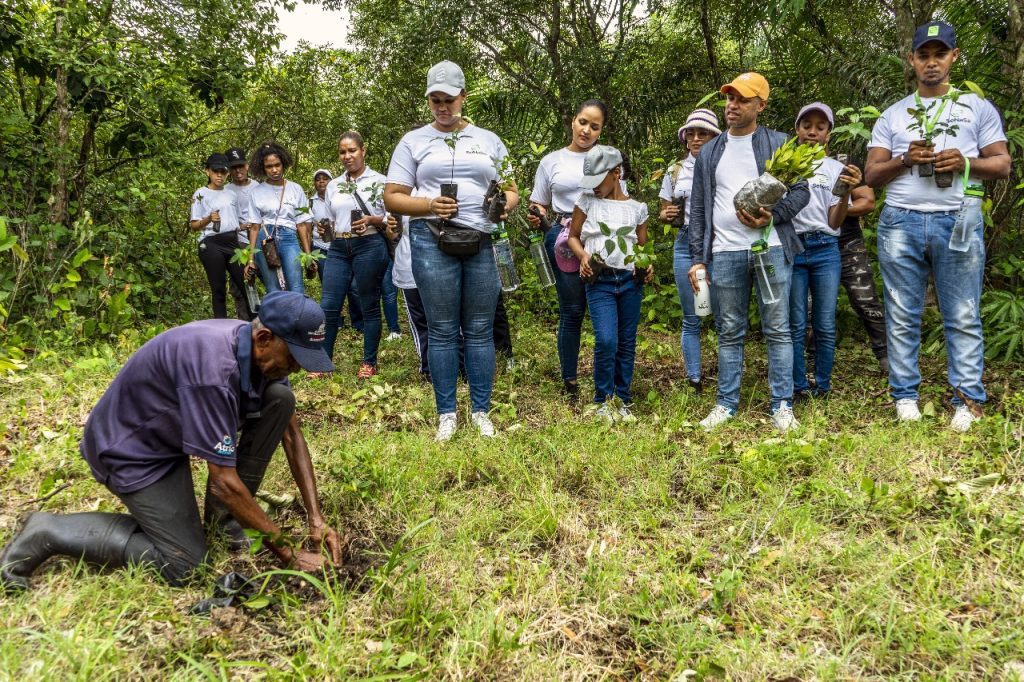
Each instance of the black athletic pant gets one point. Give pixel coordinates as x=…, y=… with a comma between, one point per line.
x=215, y=253
x=171, y=534
x=502, y=331
x=859, y=281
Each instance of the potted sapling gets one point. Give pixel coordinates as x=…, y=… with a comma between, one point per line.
x=791, y=163
x=855, y=129
x=925, y=122
x=642, y=259
x=451, y=189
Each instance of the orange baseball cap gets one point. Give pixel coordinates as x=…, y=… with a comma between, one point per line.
x=748, y=84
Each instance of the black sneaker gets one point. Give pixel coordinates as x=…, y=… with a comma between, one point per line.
x=570, y=389
x=697, y=385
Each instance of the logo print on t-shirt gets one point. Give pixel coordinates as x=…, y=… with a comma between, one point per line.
x=226, y=447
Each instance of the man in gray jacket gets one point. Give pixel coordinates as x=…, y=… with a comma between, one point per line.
x=725, y=242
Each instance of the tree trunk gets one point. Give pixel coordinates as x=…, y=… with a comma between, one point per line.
x=59, y=207
x=709, y=42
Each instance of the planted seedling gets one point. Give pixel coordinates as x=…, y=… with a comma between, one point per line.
x=791, y=163
x=450, y=189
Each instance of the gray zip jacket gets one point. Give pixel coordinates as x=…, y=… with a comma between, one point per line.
x=702, y=206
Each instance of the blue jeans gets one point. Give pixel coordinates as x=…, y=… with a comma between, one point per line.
x=689, y=340
x=456, y=293
x=390, y=299
x=572, y=307
x=365, y=258
x=614, y=302
x=818, y=270
x=288, y=248
x=732, y=273
x=912, y=244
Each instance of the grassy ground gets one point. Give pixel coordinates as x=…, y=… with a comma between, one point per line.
x=566, y=549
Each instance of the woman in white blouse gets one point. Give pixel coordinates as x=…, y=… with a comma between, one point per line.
x=700, y=127
x=457, y=290
x=279, y=211
x=358, y=250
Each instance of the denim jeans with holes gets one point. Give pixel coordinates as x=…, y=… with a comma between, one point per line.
x=911, y=246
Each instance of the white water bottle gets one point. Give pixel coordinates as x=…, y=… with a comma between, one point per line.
x=702, y=299
x=967, y=219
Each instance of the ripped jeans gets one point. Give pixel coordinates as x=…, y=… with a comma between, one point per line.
x=912, y=245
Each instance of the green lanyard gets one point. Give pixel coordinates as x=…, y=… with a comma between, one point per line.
x=969, y=189
x=929, y=125
x=768, y=229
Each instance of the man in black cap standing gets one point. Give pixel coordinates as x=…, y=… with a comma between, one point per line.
x=213, y=389
x=916, y=236
x=241, y=185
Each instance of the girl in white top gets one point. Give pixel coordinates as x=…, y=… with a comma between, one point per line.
x=456, y=291
x=358, y=250
x=614, y=286
x=817, y=271
x=556, y=187
x=215, y=216
x=279, y=210
x=700, y=127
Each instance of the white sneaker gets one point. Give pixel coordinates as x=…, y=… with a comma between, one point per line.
x=718, y=416
x=625, y=414
x=962, y=419
x=783, y=418
x=483, y=422
x=604, y=412
x=446, y=425
x=510, y=364
x=906, y=410
x=393, y=336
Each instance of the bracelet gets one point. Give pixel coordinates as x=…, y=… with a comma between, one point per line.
x=430, y=205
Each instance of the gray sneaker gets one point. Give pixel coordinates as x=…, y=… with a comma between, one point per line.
x=783, y=418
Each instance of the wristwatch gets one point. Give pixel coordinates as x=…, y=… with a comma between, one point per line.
x=903, y=160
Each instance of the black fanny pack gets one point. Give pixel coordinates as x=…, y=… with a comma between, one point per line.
x=454, y=240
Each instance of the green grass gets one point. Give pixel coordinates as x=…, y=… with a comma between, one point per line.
x=565, y=548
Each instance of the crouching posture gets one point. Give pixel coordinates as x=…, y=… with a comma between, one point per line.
x=216, y=390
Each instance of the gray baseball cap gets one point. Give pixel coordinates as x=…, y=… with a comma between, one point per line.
x=599, y=161
x=446, y=77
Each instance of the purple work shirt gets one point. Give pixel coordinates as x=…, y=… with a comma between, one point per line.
x=185, y=392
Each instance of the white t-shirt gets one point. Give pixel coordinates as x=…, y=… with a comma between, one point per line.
x=978, y=126
x=422, y=160
x=614, y=214
x=736, y=167
x=340, y=204
x=243, y=204
x=266, y=206
x=557, y=181
x=682, y=186
x=318, y=209
x=401, y=272
x=814, y=216
x=205, y=201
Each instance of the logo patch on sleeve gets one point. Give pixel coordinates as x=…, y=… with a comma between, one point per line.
x=226, y=447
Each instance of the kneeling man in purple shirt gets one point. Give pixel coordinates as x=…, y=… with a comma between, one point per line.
x=214, y=389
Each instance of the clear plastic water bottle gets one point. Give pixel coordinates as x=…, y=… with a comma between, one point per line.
x=503, y=259
x=967, y=218
x=702, y=299
x=545, y=273
x=764, y=268
x=252, y=296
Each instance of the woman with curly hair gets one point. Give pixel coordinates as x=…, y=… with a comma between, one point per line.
x=278, y=212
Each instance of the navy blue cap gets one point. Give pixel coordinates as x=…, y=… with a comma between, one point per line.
x=299, y=321
x=939, y=31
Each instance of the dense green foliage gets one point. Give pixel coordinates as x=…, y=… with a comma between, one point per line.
x=107, y=109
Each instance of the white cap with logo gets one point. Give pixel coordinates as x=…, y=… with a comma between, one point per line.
x=446, y=77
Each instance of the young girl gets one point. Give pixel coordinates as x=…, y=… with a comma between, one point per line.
x=614, y=295
x=215, y=216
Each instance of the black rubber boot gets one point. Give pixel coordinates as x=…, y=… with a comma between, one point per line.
x=96, y=537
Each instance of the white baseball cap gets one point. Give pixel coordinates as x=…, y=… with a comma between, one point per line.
x=446, y=77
